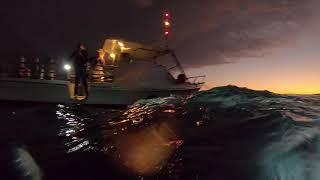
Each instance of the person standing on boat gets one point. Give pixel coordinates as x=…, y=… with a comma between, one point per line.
x=80, y=59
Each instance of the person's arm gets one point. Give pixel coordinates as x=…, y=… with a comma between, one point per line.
x=93, y=60
x=85, y=55
x=73, y=55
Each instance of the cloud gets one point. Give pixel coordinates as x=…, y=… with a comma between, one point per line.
x=222, y=31
x=204, y=32
x=143, y=3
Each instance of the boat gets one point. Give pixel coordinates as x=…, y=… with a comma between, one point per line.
x=127, y=72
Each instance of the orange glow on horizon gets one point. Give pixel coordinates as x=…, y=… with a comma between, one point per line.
x=303, y=89
x=275, y=74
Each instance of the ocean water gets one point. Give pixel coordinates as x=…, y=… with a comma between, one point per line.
x=223, y=133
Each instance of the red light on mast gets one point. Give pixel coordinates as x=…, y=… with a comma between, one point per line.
x=166, y=23
x=166, y=14
x=166, y=26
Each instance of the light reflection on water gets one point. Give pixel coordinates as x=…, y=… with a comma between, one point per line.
x=130, y=137
x=251, y=134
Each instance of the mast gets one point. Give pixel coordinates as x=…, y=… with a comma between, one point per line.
x=166, y=33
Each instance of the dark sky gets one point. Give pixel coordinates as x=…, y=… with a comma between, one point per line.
x=53, y=27
x=205, y=32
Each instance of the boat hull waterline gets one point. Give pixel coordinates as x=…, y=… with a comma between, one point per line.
x=60, y=91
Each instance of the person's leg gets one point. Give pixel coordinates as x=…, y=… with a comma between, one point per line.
x=76, y=84
x=85, y=84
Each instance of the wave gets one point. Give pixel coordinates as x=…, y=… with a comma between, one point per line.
x=225, y=133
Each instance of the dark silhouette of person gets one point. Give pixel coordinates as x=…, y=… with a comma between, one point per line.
x=80, y=59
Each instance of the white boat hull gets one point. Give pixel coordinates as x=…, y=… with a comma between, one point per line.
x=59, y=91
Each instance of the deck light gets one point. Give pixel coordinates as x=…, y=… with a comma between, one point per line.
x=67, y=67
x=112, y=55
x=120, y=44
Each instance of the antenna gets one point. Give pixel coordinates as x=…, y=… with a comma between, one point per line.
x=166, y=26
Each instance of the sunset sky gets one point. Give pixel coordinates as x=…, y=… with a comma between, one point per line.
x=259, y=44
x=293, y=68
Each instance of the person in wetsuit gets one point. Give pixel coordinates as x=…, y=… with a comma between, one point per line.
x=80, y=59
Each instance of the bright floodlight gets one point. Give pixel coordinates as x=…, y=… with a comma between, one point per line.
x=166, y=23
x=120, y=44
x=67, y=67
x=112, y=55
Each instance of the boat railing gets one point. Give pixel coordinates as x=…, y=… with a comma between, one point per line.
x=178, y=69
x=197, y=80
x=99, y=73
x=51, y=70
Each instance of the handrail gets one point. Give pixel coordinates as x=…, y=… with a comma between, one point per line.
x=172, y=67
x=198, y=80
x=196, y=77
